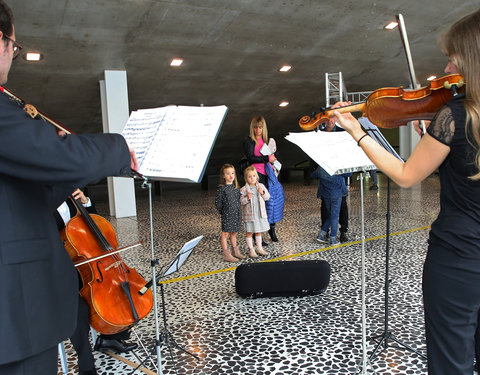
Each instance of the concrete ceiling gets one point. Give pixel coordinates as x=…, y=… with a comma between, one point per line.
x=232, y=51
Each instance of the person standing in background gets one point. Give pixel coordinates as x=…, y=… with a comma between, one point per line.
x=251, y=146
x=227, y=202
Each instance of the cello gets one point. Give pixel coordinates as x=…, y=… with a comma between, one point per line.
x=110, y=287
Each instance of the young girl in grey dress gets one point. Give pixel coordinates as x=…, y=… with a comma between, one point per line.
x=227, y=202
x=252, y=198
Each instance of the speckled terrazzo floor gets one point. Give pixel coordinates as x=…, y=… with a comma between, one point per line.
x=296, y=335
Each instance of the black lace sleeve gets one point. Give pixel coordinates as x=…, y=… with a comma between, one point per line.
x=442, y=127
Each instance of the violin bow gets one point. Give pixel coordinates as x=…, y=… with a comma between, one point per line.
x=411, y=70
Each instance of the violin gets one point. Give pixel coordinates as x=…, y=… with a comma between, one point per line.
x=391, y=107
x=110, y=287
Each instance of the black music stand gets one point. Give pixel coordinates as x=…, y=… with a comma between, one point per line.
x=373, y=131
x=165, y=335
x=172, y=267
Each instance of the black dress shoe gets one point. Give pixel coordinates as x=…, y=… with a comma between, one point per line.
x=272, y=234
x=119, y=346
x=343, y=237
x=264, y=244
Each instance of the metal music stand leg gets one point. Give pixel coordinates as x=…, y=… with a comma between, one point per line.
x=165, y=335
x=365, y=361
x=154, y=262
x=387, y=335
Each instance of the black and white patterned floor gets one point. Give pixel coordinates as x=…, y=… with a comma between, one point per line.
x=319, y=334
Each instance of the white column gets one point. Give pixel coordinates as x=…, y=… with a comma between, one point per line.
x=115, y=113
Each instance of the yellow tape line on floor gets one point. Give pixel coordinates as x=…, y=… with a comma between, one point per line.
x=296, y=255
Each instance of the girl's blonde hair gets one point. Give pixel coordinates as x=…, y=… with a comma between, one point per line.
x=222, y=175
x=462, y=44
x=258, y=122
x=249, y=169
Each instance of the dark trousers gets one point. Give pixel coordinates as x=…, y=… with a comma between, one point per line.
x=451, y=294
x=80, y=340
x=342, y=218
x=44, y=363
x=263, y=179
x=333, y=207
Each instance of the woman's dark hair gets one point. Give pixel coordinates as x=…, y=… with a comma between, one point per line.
x=6, y=19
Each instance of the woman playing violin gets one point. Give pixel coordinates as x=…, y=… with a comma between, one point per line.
x=451, y=275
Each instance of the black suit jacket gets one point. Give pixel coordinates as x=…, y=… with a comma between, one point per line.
x=38, y=170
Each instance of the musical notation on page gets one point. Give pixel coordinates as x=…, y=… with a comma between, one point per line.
x=336, y=152
x=174, y=143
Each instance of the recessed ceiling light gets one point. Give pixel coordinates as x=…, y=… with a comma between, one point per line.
x=391, y=25
x=176, y=62
x=33, y=56
x=283, y=104
x=285, y=68
x=431, y=78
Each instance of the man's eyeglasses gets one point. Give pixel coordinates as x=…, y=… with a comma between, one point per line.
x=16, y=47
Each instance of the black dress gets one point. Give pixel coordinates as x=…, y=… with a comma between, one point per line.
x=227, y=202
x=451, y=275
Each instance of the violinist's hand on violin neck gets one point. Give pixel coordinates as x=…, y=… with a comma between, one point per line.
x=341, y=104
x=347, y=121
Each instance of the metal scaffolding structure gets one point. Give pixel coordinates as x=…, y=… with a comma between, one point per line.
x=336, y=91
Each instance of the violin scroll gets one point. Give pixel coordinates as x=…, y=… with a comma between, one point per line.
x=308, y=123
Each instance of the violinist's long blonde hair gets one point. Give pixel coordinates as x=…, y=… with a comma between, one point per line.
x=258, y=122
x=462, y=44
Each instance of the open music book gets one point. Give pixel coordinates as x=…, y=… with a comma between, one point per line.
x=336, y=152
x=174, y=143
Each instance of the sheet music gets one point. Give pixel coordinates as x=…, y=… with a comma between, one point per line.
x=336, y=152
x=265, y=150
x=174, y=142
x=141, y=128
